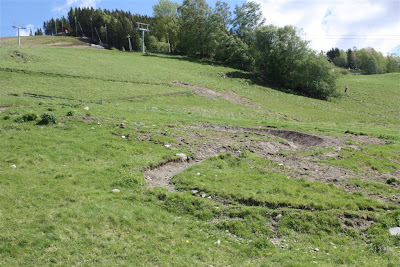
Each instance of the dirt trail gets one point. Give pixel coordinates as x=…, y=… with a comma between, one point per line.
x=232, y=96
x=2, y=108
x=161, y=175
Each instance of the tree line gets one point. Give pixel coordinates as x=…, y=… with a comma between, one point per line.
x=278, y=55
x=368, y=60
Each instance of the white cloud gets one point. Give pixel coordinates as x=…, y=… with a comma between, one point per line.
x=63, y=9
x=26, y=31
x=339, y=23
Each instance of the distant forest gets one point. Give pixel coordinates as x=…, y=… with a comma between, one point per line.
x=240, y=39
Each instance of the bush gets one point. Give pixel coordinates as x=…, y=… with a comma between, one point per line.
x=27, y=117
x=391, y=180
x=283, y=59
x=47, y=118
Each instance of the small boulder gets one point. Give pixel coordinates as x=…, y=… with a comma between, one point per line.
x=184, y=157
x=86, y=108
x=278, y=217
x=13, y=166
x=394, y=231
x=115, y=191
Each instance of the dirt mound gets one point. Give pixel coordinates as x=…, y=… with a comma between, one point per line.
x=297, y=137
x=294, y=137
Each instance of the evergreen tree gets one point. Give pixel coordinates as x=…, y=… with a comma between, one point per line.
x=39, y=31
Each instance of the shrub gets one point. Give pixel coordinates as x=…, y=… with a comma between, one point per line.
x=47, y=118
x=27, y=117
x=284, y=59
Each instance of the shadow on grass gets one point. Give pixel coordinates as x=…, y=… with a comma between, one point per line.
x=239, y=73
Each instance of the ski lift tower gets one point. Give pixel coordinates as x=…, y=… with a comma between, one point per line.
x=143, y=27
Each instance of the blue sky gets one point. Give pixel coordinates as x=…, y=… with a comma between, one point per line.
x=32, y=13
x=326, y=23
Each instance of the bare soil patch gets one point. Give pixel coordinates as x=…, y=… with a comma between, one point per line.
x=284, y=147
x=162, y=174
x=3, y=108
x=232, y=96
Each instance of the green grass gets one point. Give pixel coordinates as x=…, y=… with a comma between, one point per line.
x=56, y=206
x=382, y=158
x=247, y=180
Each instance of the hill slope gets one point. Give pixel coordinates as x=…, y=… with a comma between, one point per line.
x=272, y=177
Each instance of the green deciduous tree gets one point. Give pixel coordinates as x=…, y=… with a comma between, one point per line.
x=167, y=21
x=284, y=59
x=247, y=18
x=194, y=36
x=392, y=63
x=341, y=60
x=352, y=59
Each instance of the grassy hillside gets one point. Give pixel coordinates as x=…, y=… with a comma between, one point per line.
x=273, y=177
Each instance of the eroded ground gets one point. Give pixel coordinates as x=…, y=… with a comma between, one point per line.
x=298, y=154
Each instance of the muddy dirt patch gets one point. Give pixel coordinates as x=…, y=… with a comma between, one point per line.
x=297, y=154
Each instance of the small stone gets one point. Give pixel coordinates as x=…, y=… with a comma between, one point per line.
x=198, y=173
x=184, y=157
x=209, y=197
x=316, y=249
x=92, y=128
x=280, y=164
x=218, y=242
x=394, y=231
x=203, y=195
x=167, y=145
x=115, y=190
x=194, y=192
x=278, y=217
x=86, y=108
x=13, y=166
